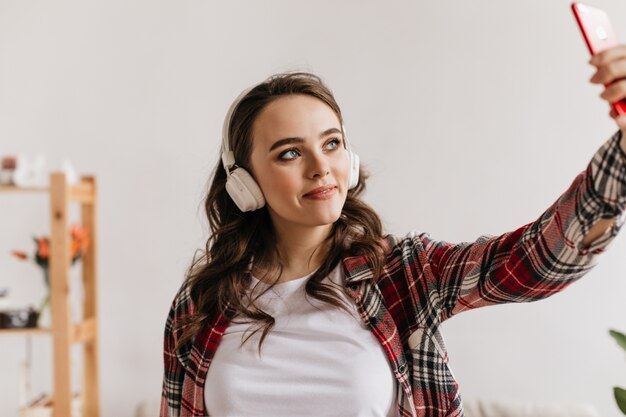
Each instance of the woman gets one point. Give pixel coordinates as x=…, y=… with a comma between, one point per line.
x=301, y=306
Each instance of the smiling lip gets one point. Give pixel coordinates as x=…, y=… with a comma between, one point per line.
x=319, y=191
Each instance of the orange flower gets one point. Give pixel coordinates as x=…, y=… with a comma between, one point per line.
x=74, y=248
x=43, y=248
x=80, y=240
x=76, y=231
x=78, y=247
x=22, y=255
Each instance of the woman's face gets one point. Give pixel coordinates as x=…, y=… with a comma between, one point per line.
x=285, y=173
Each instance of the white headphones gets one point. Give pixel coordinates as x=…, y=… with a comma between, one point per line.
x=240, y=185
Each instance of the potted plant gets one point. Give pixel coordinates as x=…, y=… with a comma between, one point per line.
x=79, y=245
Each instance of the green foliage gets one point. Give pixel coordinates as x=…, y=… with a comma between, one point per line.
x=620, y=338
x=619, y=393
x=620, y=397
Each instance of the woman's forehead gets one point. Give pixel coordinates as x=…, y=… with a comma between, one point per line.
x=295, y=112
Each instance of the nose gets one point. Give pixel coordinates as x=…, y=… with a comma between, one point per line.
x=319, y=165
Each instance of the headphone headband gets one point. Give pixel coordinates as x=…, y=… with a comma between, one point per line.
x=228, y=157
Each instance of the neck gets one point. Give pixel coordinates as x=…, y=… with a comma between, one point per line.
x=303, y=251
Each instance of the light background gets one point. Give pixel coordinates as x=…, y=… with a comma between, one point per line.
x=473, y=118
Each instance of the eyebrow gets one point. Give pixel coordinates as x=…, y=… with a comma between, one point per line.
x=287, y=141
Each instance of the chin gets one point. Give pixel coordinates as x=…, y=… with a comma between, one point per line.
x=318, y=218
x=326, y=219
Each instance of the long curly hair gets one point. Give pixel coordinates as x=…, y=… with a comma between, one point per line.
x=219, y=275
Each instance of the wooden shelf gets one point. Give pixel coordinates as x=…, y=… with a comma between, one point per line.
x=16, y=189
x=64, y=333
x=25, y=332
x=84, y=331
x=82, y=192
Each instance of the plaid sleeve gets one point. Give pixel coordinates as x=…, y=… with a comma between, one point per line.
x=174, y=362
x=540, y=258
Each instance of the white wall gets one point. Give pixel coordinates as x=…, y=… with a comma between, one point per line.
x=472, y=116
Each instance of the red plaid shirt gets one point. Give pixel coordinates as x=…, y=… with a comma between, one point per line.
x=426, y=281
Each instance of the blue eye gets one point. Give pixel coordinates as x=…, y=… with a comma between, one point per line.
x=336, y=141
x=286, y=152
x=280, y=156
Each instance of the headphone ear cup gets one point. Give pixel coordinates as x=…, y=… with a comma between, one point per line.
x=244, y=190
x=354, y=170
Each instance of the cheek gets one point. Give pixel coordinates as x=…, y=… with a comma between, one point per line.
x=344, y=167
x=279, y=181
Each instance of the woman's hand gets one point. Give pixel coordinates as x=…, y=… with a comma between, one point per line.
x=611, y=70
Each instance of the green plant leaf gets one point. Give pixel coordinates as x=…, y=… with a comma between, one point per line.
x=620, y=338
x=620, y=397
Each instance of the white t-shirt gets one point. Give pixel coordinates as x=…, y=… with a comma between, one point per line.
x=317, y=360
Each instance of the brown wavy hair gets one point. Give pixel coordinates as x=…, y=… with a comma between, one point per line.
x=220, y=277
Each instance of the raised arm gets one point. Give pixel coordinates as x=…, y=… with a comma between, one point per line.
x=540, y=258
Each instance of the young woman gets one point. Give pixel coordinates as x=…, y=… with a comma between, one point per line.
x=300, y=305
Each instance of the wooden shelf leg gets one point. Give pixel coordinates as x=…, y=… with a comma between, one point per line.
x=91, y=400
x=59, y=286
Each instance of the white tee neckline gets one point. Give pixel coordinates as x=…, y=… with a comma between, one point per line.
x=285, y=284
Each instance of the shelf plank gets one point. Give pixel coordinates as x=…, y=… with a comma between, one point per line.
x=82, y=193
x=24, y=332
x=84, y=332
x=16, y=189
x=81, y=332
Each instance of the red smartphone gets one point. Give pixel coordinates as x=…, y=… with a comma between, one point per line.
x=599, y=35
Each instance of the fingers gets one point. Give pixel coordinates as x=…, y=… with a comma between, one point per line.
x=610, y=72
x=608, y=55
x=615, y=92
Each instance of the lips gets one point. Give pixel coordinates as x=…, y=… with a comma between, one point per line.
x=320, y=190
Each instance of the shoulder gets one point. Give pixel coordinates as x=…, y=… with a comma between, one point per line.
x=397, y=250
x=182, y=306
x=414, y=240
x=395, y=246
x=182, y=303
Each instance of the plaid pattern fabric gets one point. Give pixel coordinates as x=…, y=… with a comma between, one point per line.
x=426, y=281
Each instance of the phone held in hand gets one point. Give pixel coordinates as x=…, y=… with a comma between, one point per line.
x=599, y=35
